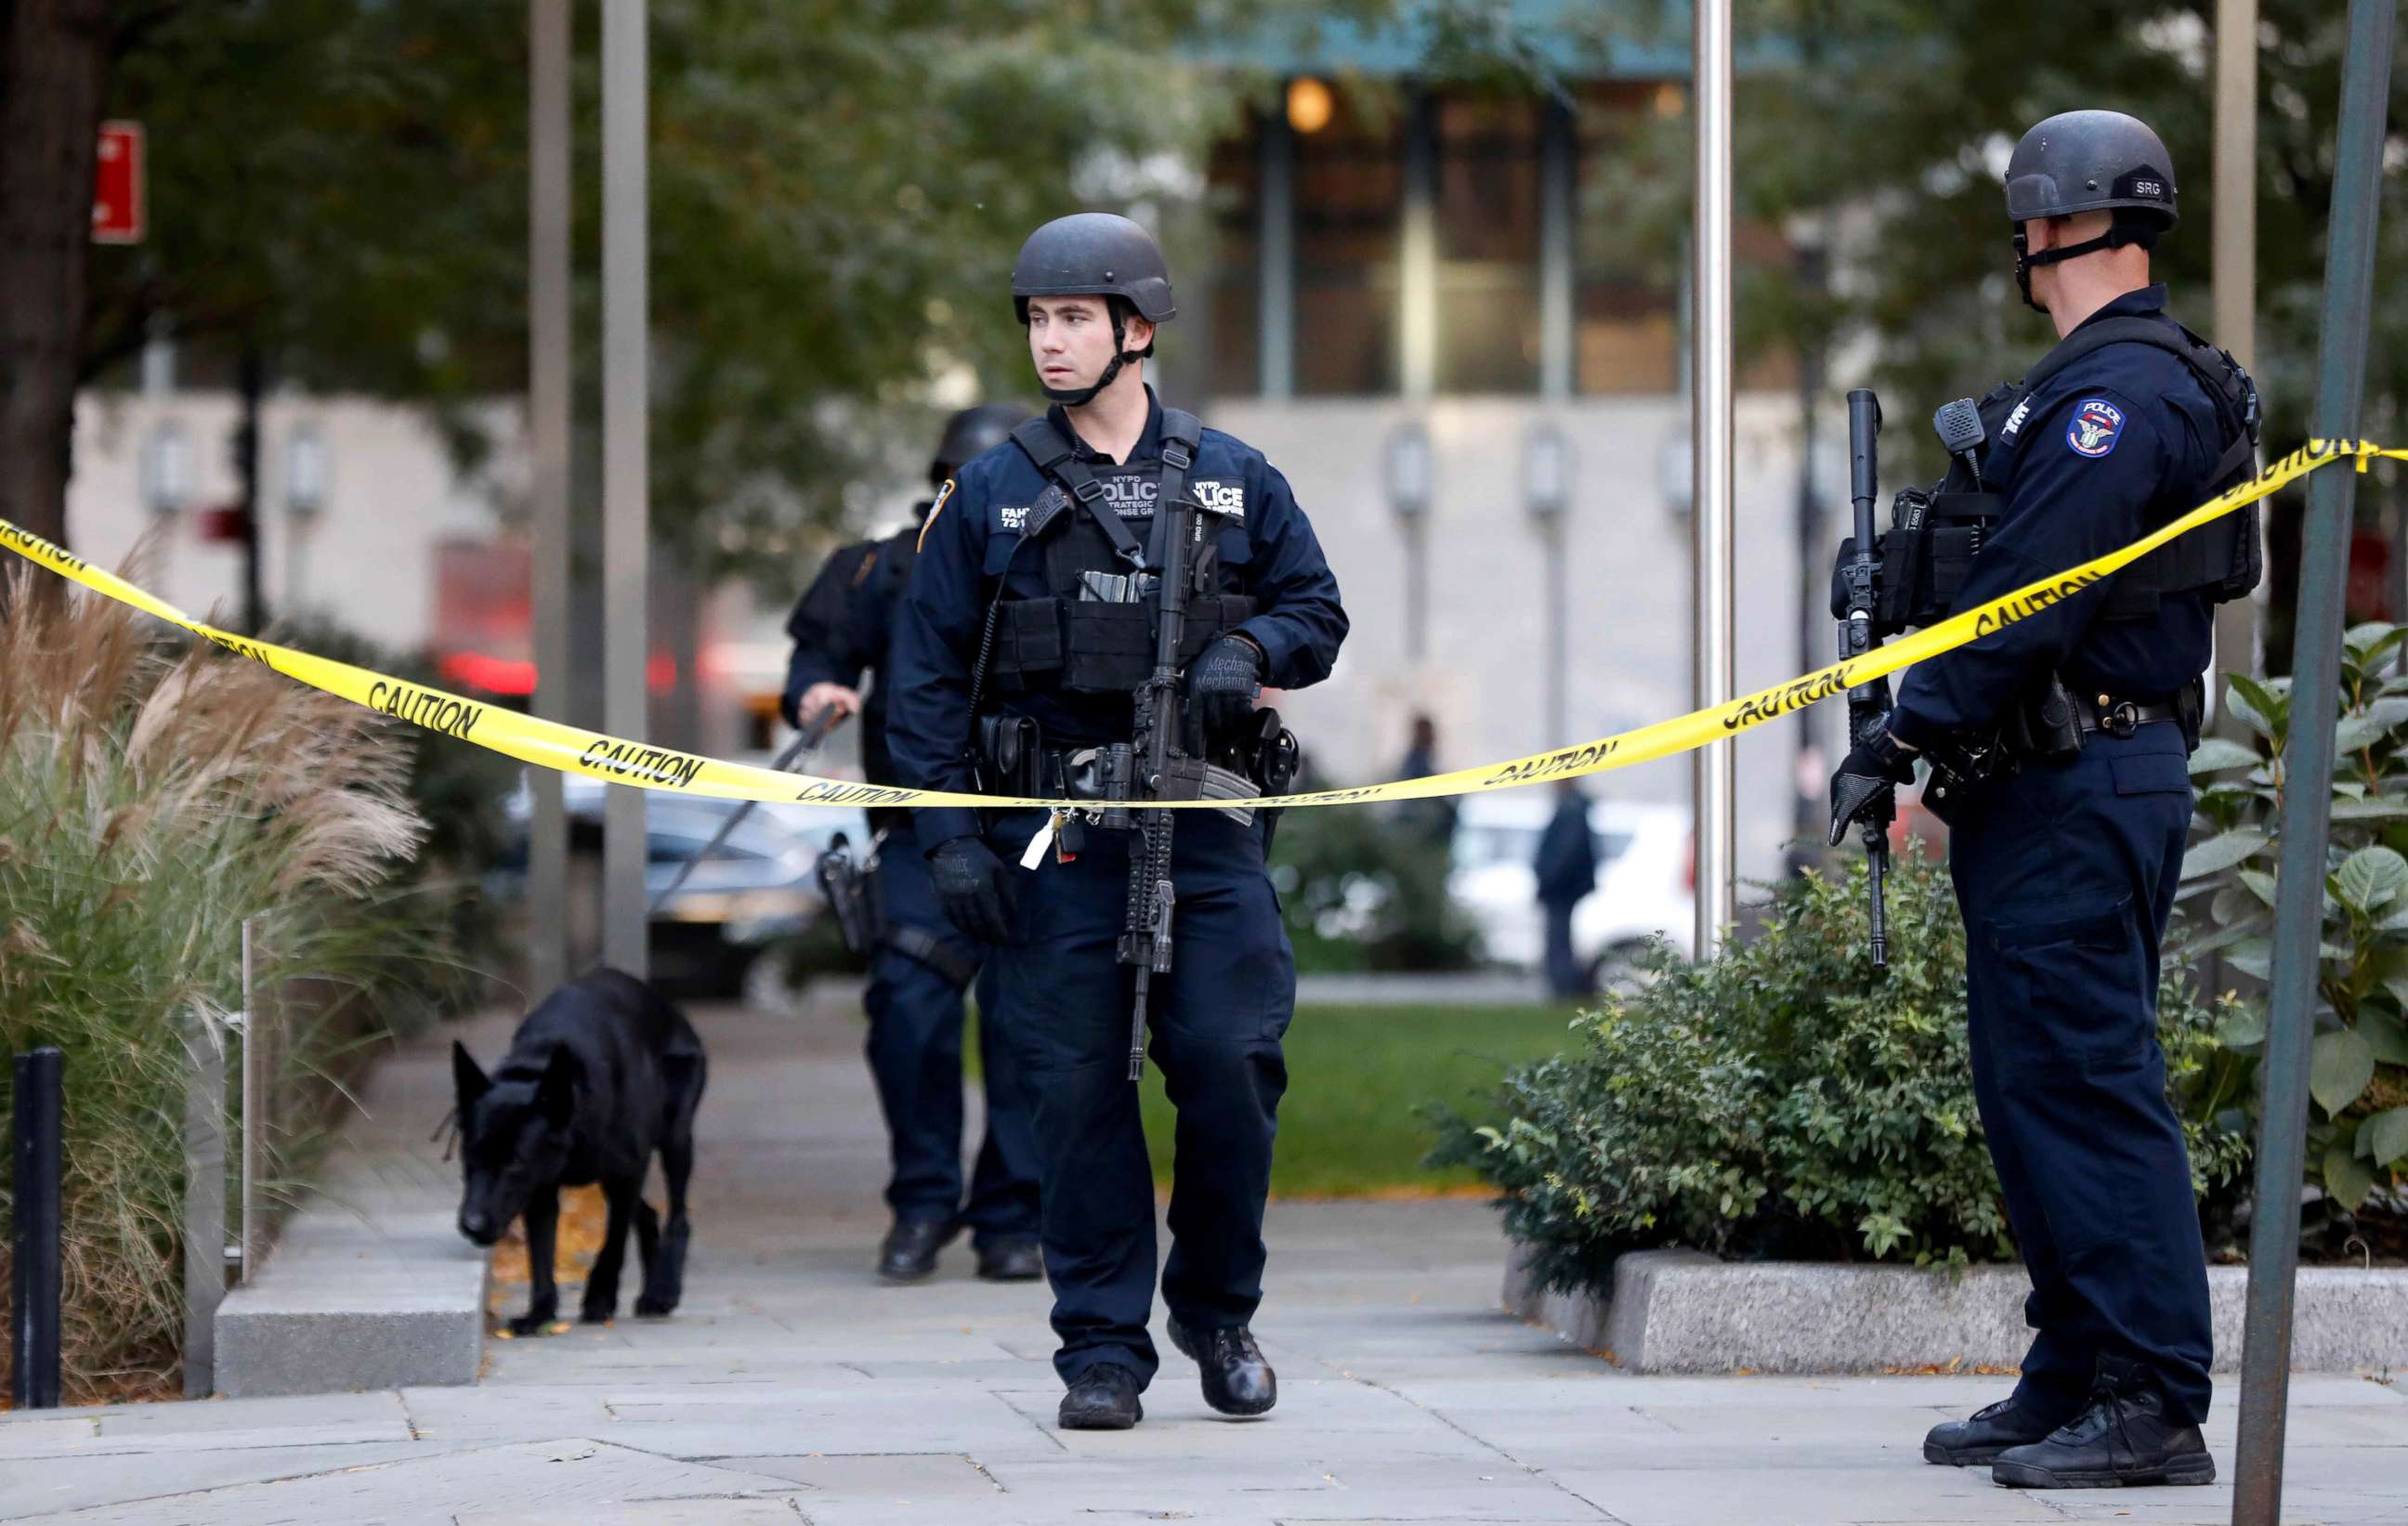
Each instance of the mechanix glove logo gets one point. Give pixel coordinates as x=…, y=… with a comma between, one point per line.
x=2096, y=425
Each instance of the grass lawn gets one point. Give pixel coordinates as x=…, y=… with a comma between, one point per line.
x=1357, y=1078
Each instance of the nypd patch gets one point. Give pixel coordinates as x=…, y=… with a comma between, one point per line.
x=2096, y=425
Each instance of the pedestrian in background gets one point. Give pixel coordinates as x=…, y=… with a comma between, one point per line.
x=1567, y=873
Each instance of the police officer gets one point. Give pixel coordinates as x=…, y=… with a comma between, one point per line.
x=840, y=628
x=1017, y=651
x=2066, y=860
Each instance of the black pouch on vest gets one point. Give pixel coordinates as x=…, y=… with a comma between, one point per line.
x=1011, y=760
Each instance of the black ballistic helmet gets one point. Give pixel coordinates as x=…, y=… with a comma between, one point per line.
x=1095, y=254
x=973, y=432
x=2089, y=162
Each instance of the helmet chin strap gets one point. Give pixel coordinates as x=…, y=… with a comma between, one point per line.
x=1079, y=397
x=2116, y=236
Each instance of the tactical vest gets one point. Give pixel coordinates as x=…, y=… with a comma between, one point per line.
x=1928, y=551
x=1093, y=632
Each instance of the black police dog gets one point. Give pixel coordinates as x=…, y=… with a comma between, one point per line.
x=599, y=1076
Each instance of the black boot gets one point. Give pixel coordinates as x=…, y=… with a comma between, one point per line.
x=2124, y=1437
x=1103, y=1398
x=909, y=1251
x=1010, y=1258
x=1237, y=1379
x=1978, y=1440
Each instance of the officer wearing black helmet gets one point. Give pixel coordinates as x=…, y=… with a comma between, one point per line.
x=840, y=629
x=1023, y=639
x=2060, y=742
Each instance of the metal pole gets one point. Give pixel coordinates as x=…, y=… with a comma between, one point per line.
x=1275, y=347
x=2234, y=237
x=250, y=383
x=252, y=1101
x=2315, y=670
x=1558, y=639
x=626, y=642
x=1417, y=262
x=1709, y=413
x=1557, y=325
x=204, y=1201
x=34, y=1331
x=548, y=415
x=1813, y=630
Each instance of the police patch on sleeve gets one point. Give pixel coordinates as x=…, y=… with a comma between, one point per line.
x=2098, y=425
x=933, y=510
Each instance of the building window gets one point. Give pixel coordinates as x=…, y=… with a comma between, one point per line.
x=1630, y=211
x=1233, y=295
x=1488, y=191
x=1349, y=218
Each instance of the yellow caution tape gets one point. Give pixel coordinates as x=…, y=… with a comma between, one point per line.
x=547, y=744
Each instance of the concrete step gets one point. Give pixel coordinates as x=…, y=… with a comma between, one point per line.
x=370, y=1285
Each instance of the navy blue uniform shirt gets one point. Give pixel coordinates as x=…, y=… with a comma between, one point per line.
x=2111, y=447
x=1267, y=551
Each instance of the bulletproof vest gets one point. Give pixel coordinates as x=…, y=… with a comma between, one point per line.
x=1929, y=550
x=1093, y=632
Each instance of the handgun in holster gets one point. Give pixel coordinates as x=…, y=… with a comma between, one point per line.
x=852, y=891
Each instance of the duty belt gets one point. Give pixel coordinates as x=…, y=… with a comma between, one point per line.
x=2120, y=716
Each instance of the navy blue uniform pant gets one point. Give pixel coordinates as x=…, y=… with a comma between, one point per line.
x=2066, y=877
x=1217, y=1018
x=915, y=1054
x=1565, y=977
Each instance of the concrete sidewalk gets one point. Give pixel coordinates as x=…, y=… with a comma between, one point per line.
x=792, y=1387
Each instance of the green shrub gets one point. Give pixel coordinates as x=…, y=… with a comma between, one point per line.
x=2357, y=1131
x=1781, y=1100
x=152, y=795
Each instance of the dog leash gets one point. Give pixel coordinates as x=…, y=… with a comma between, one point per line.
x=808, y=743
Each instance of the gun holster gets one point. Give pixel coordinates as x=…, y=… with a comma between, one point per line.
x=2044, y=728
x=852, y=891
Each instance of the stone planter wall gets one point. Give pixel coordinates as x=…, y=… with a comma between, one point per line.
x=1680, y=1311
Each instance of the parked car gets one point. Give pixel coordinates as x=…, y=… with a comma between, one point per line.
x=758, y=886
x=1646, y=879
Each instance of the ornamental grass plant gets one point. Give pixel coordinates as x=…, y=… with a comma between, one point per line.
x=156, y=793
x=1781, y=1100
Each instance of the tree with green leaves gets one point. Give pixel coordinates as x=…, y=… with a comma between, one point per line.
x=836, y=193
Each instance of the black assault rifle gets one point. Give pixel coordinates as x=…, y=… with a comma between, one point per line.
x=1163, y=771
x=1868, y=703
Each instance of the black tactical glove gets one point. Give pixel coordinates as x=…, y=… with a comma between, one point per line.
x=1876, y=766
x=1222, y=685
x=975, y=889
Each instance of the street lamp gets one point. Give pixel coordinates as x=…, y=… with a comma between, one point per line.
x=1546, y=492
x=304, y=472
x=1407, y=472
x=166, y=467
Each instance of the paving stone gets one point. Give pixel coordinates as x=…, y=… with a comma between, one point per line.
x=660, y=1513
x=49, y=1485
x=552, y=1476
x=1802, y=1497
x=893, y=1479
x=216, y=1425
